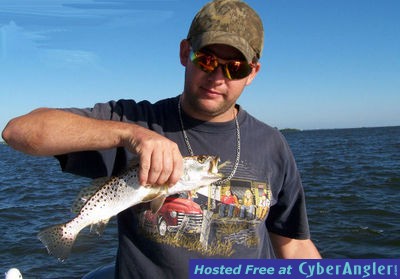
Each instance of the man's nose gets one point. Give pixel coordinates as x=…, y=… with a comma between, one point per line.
x=217, y=74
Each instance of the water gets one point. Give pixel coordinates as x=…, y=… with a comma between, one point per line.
x=352, y=181
x=34, y=194
x=351, y=178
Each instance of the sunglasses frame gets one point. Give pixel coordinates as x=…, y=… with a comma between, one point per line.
x=208, y=68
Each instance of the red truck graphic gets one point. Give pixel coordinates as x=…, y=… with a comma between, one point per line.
x=176, y=215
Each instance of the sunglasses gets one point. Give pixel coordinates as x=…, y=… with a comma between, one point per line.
x=209, y=63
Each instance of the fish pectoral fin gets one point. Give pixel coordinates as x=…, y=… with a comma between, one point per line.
x=156, y=204
x=99, y=227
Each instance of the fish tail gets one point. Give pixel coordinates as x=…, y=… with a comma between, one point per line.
x=58, y=240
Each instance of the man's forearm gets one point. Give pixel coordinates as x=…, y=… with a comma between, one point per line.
x=52, y=132
x=49, y=132
x=288, y=248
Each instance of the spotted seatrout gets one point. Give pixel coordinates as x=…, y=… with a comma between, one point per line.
x=121, y=192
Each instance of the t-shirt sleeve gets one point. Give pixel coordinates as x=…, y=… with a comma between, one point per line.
x=288, y=216
x=100, y=163
x=110, y=162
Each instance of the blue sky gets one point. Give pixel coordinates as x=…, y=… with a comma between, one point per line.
x=325, y=64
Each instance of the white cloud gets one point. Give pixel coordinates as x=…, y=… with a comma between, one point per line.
x=69, y=59
x=15, y=41
x=50, y=31
x=21, y=46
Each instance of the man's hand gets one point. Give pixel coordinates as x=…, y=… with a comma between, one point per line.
x=160, y=159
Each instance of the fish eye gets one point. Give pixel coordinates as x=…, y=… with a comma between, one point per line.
x=201, y=158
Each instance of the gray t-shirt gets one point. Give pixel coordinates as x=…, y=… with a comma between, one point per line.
x=226, y=221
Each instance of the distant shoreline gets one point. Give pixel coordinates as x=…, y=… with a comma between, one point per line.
x=290, y=130
x=293, y=130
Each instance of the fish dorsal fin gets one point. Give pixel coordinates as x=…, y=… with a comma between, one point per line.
x=86, y=192
x=156, y=204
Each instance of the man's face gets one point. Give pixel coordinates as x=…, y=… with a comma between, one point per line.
x=212, y=96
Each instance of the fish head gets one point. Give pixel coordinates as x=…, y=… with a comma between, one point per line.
x=201, y=170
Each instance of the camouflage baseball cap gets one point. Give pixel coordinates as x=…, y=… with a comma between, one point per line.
x=229, y=22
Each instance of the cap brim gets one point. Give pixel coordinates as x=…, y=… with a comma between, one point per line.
x=219, y=37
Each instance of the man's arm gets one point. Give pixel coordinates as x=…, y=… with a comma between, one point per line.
x=49, y=132
x=288, y=248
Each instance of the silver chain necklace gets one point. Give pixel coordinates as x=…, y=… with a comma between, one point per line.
x=189, y=147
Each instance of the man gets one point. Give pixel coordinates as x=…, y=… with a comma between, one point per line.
x=228, y=203
x=247, y=209
x=221, y=57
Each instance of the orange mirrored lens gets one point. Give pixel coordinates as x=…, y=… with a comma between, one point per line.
x=208, y=63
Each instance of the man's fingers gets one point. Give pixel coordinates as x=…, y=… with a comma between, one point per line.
x=160, y=159
x=156, y=167
x=144, y=169
x=177, y=169
x=166, y=169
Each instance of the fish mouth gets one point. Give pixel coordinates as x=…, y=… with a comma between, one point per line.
x=214, y=165
x=214, y=168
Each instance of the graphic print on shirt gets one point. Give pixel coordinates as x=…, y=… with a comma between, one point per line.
x=215, y=221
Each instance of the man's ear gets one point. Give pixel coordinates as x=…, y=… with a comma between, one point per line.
x=184, y=52
x=253, y=73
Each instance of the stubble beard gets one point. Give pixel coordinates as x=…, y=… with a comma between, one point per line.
x=196, y=107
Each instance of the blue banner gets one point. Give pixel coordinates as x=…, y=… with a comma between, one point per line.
x=295, y=269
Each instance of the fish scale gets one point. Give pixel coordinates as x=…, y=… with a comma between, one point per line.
x=119, y=193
